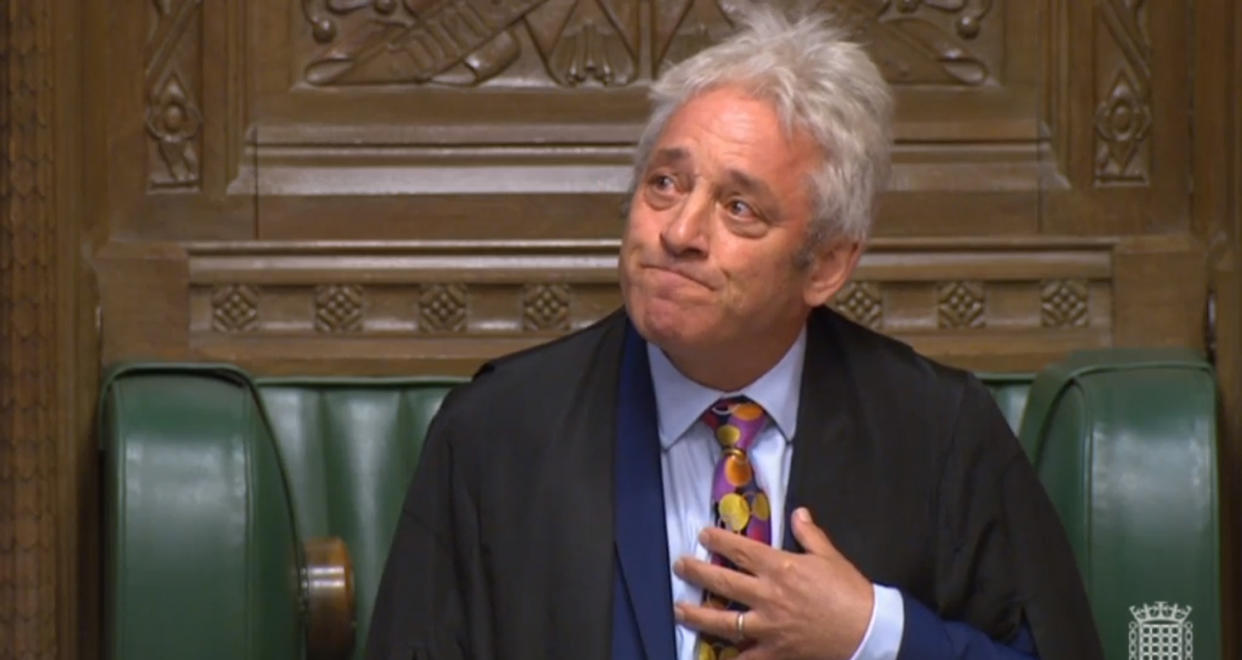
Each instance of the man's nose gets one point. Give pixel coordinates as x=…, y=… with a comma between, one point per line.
x=685, y=235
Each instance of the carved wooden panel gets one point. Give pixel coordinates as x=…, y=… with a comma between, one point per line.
x=387, y=119
x=391, y=120
x=445, y=306
x=480, y=123
x=570, y=43
x=470, y=99
x=1118, y=119
x=1123, y=87
x=174, y=72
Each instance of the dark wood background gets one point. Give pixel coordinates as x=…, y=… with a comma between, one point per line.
x=398, y=186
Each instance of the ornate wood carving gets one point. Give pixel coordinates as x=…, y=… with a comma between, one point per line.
x=587, y=40
x=173, y=81
x=1064, y=304
x=949, y=42
x=466, y=42
x=442, y=307
x=459, y=302
x=861, y=302
x=462, y=41
x=234, y=308
x=339, y=308
x=961, y=304
x=575, y=42
x=288, y=309
x=1123, y=79
x=545, y=307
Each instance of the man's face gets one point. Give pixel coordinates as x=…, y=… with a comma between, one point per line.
x=708, y=260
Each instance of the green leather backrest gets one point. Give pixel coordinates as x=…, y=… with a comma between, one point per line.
x=350, y=447
x=1125, y=444
x=1010, y=391
x=201, y=559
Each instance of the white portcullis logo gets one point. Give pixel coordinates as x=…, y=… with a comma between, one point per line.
x=1161, y=631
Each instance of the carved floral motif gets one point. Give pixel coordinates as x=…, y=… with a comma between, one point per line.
x=579, y=42
x=1063, y=304
x=442, y=307
x=1123, y=120
x=338, y=308
x=173, y=118
x=585, y=40
x=545, y=307
x=174, y=121
x=862, y=303
x=234, y=308
x=960, y=304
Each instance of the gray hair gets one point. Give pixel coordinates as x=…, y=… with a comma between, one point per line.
x=817, y=80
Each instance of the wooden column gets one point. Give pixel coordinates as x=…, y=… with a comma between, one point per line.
x=46, y=360
x=1217, y=207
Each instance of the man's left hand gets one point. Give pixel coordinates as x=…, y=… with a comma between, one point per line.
x=813, y=605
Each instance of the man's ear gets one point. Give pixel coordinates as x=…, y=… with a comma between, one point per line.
x=831, y=267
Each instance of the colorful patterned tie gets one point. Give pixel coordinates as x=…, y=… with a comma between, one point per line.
x=738, y=504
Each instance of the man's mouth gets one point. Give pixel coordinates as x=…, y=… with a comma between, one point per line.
x=679, y=272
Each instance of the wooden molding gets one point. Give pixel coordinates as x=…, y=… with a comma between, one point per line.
x=447, y=305
x=48, y=526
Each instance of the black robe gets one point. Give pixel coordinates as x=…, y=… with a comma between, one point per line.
x=505, y=544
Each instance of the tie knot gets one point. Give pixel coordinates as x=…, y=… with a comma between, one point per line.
x=736, y=421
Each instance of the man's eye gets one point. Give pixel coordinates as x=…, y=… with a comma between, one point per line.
x=663, y=183
x=737, y=207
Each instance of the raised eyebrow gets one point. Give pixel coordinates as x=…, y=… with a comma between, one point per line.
x=748, y=183
x=669, y=156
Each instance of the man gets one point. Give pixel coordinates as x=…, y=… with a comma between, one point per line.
x=725, y=466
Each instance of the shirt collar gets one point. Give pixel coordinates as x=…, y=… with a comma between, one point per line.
x=680, y=401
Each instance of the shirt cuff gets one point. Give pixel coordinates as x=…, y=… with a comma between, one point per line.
x=882, y=640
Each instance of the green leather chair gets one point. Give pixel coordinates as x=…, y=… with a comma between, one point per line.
x=216, y=484
x=201, y=552
x=1124, y=441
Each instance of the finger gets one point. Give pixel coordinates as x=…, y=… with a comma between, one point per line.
x=718, y=622
x=745, y=553
x=724, y=582
x=811, y=537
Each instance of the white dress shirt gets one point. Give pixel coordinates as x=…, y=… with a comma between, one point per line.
x=688, y=462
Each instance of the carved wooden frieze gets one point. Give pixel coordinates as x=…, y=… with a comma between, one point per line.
x=861, y=302
x=482, y=298
x=571, y=43
x=442, y=307
x=545, y=307
x=946, y=42
x=338, y=308
x=174, y=119
x=234, y=308
x=961, y=305
x=1123, y=87
x=1064, y=304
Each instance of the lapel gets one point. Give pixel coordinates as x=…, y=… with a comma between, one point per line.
x=830, y=444
x=639, y=523
x=576, y=613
